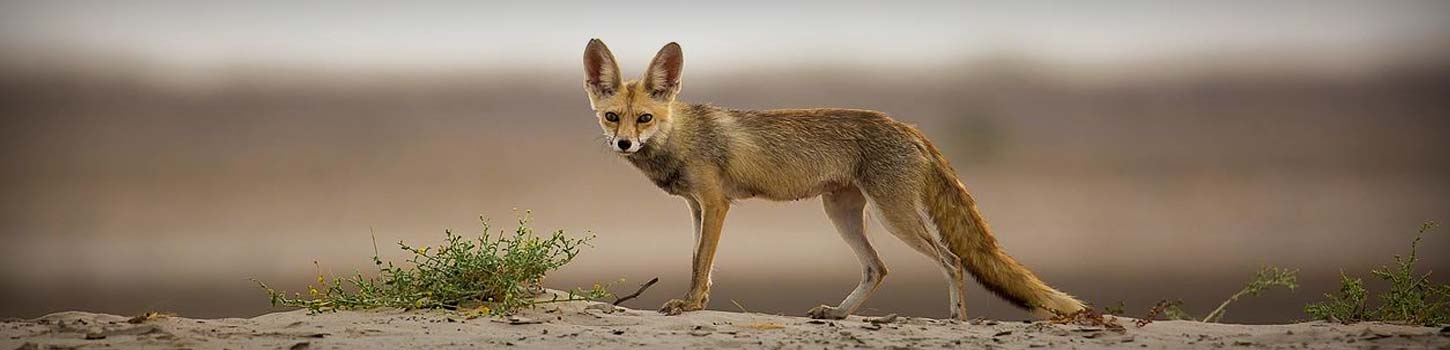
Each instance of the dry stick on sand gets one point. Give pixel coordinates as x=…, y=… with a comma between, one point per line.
x=1153, y=313
x=636, y=293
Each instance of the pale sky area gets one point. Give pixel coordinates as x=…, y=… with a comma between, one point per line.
x=551, y=34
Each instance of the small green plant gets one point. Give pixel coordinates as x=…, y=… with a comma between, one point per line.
x=1266, y=277
x=1174, y=311
x=494, y=274
x=1411, y=299
x=1348, y=306
x=1116, y=310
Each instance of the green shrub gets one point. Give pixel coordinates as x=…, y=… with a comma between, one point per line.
x=1347, y=306
x=1412, y=298
x=495, y=274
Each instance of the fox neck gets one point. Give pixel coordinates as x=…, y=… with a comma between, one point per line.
x=661, y=159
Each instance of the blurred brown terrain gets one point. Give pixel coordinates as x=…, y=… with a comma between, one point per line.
x=128, y=187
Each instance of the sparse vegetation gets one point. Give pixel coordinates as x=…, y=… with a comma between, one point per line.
x=1347, y=306
x=492, y=274
x=1115, y=310
x=1266, y=278
x=1170, y=309
x=1411, y=299
x=1174, y=311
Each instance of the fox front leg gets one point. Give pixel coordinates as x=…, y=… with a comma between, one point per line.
x=709, y=217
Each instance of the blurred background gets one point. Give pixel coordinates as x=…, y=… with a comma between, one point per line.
x=157, y=155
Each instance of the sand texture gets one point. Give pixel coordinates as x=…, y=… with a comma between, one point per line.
x=595, y=325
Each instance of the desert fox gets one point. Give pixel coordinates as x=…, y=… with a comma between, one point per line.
x=712, y=156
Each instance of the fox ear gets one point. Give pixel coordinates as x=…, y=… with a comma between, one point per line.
x=662, y=79
x=601, y=73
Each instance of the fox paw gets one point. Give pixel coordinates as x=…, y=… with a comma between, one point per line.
x=827, y=312
x=677, y=306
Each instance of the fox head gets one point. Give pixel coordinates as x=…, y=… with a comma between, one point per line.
x=632, y=113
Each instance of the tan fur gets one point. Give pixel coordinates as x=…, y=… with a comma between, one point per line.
x=713, y=156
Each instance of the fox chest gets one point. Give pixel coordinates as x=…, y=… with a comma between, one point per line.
x=666, y=173
x=672, y=182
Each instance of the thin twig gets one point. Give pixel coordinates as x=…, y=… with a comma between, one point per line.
x=636, y=293
x=1217, y=314
x=737, y=304
x=1153, y=313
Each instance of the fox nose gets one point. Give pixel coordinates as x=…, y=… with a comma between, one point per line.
x=623, y=145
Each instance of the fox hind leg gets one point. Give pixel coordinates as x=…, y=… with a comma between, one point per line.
x=845, y=208
x=900, y=215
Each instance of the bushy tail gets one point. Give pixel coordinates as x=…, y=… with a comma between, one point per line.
x=966, y=233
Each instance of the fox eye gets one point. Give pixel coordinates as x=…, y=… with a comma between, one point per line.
x=610, y=116
x=645, y=118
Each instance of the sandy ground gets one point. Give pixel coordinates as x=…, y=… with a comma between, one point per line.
x=594, y=325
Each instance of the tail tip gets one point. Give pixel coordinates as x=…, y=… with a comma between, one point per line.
x=1060, y=304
